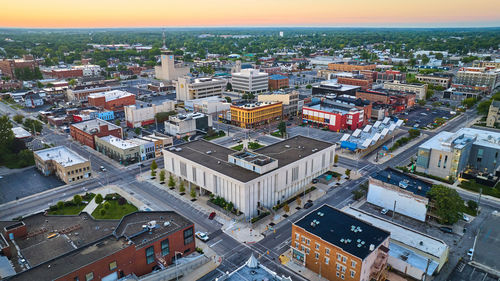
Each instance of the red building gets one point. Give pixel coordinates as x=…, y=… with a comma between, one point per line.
x=102, y=250
x=63, y=73
x=84, y=132
x=277, y=82
x=111, y=100
x=397, y=101
x=8, y=66
x=365, y=84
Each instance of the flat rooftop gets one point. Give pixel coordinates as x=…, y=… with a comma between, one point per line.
x=20, y=133
x=445, y=140
x=487, y=251
x=94, y=124
x=332, y=108
x=343, y=230
x=397, y=178
x=62, y=155
x=285, y=152
x=111, y=95
x=333, y=85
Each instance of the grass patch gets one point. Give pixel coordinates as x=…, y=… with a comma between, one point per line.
x=69, y=207
x=407, y=170
x=219, y=134
x=472, y=185
x=276, y=134
x=238, y=147
x=114, y=211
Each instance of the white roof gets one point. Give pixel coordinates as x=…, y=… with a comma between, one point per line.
x=385, y=131
x=409, y=237
x=345, y=137
x=62, y=155
x=356, y=133
x=20, y=133
x=392, y=127
x=376, y=137
x=399, y=123
x=377, y=124
x=124, y=144
x=367, y=142
x=367, y=128
x=111, y=95
x=386, y=120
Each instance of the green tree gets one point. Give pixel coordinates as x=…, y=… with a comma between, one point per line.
x=162, y=175
x=137, y=131
x=181, y=186
x=154, y=166
x=309, y=86
x=447, y=203
x=336, y=159
x=193, y=193
x=422, y=102
x=429, y=93
x=282, y=128
x=118, y=122
x=18, y=118
x=228, y=99
x=483, y=107
x=98, y=198
x=469, y=102
x=106, y=205
x=72, y=82
x=171, y=181
x=77, y=199
x=229, y=87
x=472, y=205
x=348, y=172
x=6, y=135
x=102, y=212
x=60, y=205
x=286, y=208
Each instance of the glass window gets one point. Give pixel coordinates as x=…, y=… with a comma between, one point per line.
x=342, y=276
x=89, y=276
x=327, y=251
x=327, y=260
x=316, y=255
x=353, y=273
x=188, y=236
x=353, y=264
x=338, y=266
x=317, y=246
x=150, y=255
x=165, y=247
x=297, y=236
x=344, y=259
x=338, y=274
x=112, y=265
x=339, y=257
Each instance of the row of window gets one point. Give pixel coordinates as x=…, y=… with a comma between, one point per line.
x=72, y=172
x=90, y=276
x=307, y=242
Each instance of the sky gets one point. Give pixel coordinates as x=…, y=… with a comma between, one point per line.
x=216, y=13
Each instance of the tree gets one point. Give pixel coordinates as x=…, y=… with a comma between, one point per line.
x=171, y=181
x=137, y=131
x=348, y=172
x=421, y=102
x=299, y=201
x=193, y=193
x=309, y=86
x=229, y=87
x=448, y=205
x=483, y=107
x=118, y=122
x=77, y=199
x=336, y=159
x=472, y=205
x=286, y=208
x=181, y=186
x=106, y=205
x=102, y=212
x=162, y=175
x=98, y=198
x=282, y=128
x=6, y=135
x=18, y=118
x=154, y=166
x=469, y=102
x=429, y=93
x=60, y=205
x=228, y=99
x=72, y=82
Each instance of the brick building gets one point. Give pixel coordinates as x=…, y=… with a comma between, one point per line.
x=9, y=66
x=63, y=73
x=111, y=100
x=82, y=92
x=365, y=84
x=102, y=250
x=277, y=82
x=390, y=76
x=398, y=101
x=338, y=246
x=350, y=66
x=84, y=132
x=66, y=164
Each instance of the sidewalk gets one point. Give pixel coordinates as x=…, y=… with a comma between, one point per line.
x=389, y=155
x=287, y=261
x=213, y=263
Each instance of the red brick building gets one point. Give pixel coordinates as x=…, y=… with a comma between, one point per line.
x=277, y=82
x=84, y=132
x=103, y=249
x=63, y=73
x=9, y=66
x=111, y=100
x=397, y=101
x=365, y=84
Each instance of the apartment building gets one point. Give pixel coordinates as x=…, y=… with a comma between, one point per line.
x=114, y=100
x=84, y=132
x=478, y=76
x=250, y=81
x=66, y=164
x=252, y=181
x=188, y=88
x=490, y=64
x=289, y=100
x=338, y=246
x=170, y=69
x=438, y=80
x=251, y=115
x=420, y=90
x=448, y=154
x=143, y=114
x=8, y=66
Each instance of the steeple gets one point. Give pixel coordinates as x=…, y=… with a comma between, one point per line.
x=164, y=47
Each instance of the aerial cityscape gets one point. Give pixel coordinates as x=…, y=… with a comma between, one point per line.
x=261, y=141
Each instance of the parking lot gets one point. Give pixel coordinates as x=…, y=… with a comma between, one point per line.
x=466, y=272
x=487, y=241
x=423, y=116
x=314, y=133
x=24, y=183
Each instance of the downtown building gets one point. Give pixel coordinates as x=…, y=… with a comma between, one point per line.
x=84, y=132
x=113, y=100
x=143, y=114
x=420, y=90
x=289, y=100
x=254, y=181
x=170, y=69
x=252, y=115
x=250, y=81
x=66, y=164
x=187, y=88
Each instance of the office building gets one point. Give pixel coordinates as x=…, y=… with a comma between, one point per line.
x=396, y=191
x=478, y=76
x=113, y=100
x=339, y=246
x=170, y=69
x=252, y=115
x=182, y=125
x=78, y=247
x=81, y=93
x=208, y=105
x=390, y=76
x=143, y=114
x=252, y=181
x=66, y=164
x=289, y=100
x=84, y=132
x=250, y=81
x=188, y=88
x=125, y=151
x=278, y=81
x=438, y=80
x=332, y=87
x=350, y=66
x=448, y=154
x=420, y=90
x=493, y=114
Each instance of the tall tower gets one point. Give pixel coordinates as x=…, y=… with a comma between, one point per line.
x=164, y=47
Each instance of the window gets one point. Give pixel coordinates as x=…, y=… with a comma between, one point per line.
x=112, y=265
x=150, y=255
x=317, y=246
x=316, y=255
x=308, y=242
x=297, y=236
x=183, y=169
x=353, y=264
x=327, y=251
x=194, y=174
x=344, y=259
x=76, y=278
x=303, y=240
x=353, y=273
x=296, y=245
x=342, y=276
x=327, y=260
x=89, y=276
x=439, y=161
x=343, y=269
x=338, y=274
x=188, y=236
x=445, y=160
x=165, y=249
x=295, y=174
x=338, y=267
x=339, y=257
x=307, y=251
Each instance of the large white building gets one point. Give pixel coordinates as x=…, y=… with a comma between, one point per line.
x=89, y=69
x=188, y=88
x=420, y=90
x=250, y=81
x=169, y=70
x=250, y=180
x=142, y=114
x=187, y=124
x=208, y=105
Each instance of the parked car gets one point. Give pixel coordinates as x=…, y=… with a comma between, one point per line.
x=470, y=253
x=315, y=181
x=384, y=211
x=308, y=205
x=202, y=236
x=465, y=217
x=102, y=169
x=211, y=216
x=446, y=229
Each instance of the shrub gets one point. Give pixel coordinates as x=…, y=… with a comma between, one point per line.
x=122, y=201
x=472, y=204
x=98, y=198
x=106, y=205
x=77, y=199
x=181, y=186
x=102, y=212
x=60, y=204
x=193, y=193
x=162, y=175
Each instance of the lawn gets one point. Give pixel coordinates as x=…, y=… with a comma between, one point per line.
x=115, y=210
x=276, y=134
x=238, y=147
x=472, y=185
x=70, y=208
x=219, y=134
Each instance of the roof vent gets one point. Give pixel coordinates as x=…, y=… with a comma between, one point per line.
x=209, y=152
x=372, y=247
x=218, y=162
x=287, y=146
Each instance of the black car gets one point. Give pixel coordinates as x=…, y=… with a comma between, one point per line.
x=315, y=181
x=308, y=205
x=446, y=229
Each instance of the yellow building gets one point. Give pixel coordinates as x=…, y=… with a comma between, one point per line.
x=66, y=164
x=252, y=115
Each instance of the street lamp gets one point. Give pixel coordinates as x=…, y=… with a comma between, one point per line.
x=176, y=274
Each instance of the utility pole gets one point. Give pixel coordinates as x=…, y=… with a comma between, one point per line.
x=426, y=269
x=479, y=199
x=393, y=210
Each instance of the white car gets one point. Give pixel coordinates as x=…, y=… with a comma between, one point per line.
x=202, y=236
x=465, y=218
x=470, y=252
x=384, y=211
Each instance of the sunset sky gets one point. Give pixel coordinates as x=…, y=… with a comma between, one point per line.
x=174, y=13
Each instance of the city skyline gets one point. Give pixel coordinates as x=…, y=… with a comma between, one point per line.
x=223, y=13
